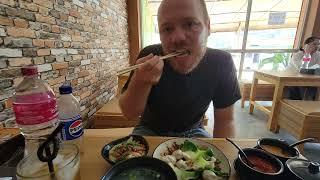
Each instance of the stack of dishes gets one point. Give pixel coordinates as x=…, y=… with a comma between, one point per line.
x=189, y=158
x=178, y=158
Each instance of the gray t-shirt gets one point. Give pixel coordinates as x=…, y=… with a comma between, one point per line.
x=179, y=101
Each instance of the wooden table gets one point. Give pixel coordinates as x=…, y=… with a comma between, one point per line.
x=280, y=80
x=8, y=133
x=93, y=166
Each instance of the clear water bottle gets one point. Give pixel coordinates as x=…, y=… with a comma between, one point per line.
x=306, y=60
x=69, y=115
x=35, y=108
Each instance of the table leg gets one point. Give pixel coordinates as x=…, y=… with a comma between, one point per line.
x=273, y=118
x=253, y=93
x=243, y=98
x=318, y=94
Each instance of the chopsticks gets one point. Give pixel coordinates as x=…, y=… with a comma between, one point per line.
x=130, y=68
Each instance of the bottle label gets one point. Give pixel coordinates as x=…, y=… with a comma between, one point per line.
x=306, y=59
x=72, y=128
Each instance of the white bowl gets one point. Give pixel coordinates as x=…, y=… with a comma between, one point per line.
x=162, y=148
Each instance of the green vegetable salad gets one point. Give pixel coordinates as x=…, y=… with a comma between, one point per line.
x=190, y=162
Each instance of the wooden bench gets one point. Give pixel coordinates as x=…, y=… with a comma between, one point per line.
x=110, y=116
x=264, y=92
x=300, y=118
x=122, y=79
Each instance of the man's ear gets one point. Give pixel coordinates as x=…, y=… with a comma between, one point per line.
x=208, y=27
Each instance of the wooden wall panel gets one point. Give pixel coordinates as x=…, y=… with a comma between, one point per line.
x=316, y=27
x=133, y=7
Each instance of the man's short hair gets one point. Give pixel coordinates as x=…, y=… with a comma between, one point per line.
x=204, y=9
x=311, y=39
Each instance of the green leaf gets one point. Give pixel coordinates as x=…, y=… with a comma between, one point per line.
x=276, y=60
x=265, y=61
x=189, y=146
x=209, y=152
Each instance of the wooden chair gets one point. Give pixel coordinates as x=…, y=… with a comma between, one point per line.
x=300, y=118
x=264, y=92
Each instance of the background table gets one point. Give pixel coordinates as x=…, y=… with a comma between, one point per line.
x=280, y=80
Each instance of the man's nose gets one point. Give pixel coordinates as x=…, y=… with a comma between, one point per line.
x=178, y=36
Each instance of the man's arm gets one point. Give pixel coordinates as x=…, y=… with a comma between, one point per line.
x=295, y=61
x=223, y=122
x=133, y=101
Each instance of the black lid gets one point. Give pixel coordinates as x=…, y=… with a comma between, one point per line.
x=65, y=89
x=304, y=169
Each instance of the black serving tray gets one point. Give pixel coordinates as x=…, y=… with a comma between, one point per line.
x=11, y=152
x=310, y=71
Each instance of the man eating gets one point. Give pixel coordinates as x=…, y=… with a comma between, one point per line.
x=171, y=96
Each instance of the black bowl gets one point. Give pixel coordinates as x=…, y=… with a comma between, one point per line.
x=147, y=164
x=105, y=150
x=294, y=153
x=249, y=173
x=307, y=71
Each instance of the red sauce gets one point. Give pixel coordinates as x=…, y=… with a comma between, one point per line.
x=262, y=165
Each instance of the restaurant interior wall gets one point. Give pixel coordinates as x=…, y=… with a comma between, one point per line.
x=313, y=22
x=78, y=41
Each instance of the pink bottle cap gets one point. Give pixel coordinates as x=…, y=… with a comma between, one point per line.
x=29, y=70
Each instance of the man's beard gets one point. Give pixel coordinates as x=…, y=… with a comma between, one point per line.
x=196, y=61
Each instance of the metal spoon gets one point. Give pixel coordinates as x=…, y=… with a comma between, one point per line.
x=302, y=141
x=241, y=152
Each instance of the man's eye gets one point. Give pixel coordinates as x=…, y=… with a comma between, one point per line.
x=166, y=29
x=190, y=24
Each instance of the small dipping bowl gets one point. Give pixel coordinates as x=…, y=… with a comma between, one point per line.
x=106, y=149
x=264, y=159
x=278, y=148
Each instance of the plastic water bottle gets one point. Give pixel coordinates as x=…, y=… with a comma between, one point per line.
x=69, y=115
x=306, y=60
x=35, y=108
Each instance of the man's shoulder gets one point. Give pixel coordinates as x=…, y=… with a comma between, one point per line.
x=217, y=56
x=217, y=53
x=155, y=49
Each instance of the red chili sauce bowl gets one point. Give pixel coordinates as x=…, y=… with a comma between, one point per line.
x=262, y=165
x=266, y=166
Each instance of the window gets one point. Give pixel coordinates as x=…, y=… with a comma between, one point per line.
x=251, y=30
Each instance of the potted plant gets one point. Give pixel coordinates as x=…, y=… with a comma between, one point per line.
x=276, y=60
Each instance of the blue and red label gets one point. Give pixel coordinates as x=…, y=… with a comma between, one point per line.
x=72, y=128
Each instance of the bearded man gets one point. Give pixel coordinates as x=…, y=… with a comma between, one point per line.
x=171, y=96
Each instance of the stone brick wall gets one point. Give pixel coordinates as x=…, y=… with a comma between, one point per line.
x=80, y=41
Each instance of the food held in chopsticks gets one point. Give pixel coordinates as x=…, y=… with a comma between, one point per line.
x=191, y=162
x=127, y=149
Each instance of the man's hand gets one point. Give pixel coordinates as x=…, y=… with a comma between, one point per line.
x=223, y=122
x=133, y=101
x=151, y=70
x=312, y=47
